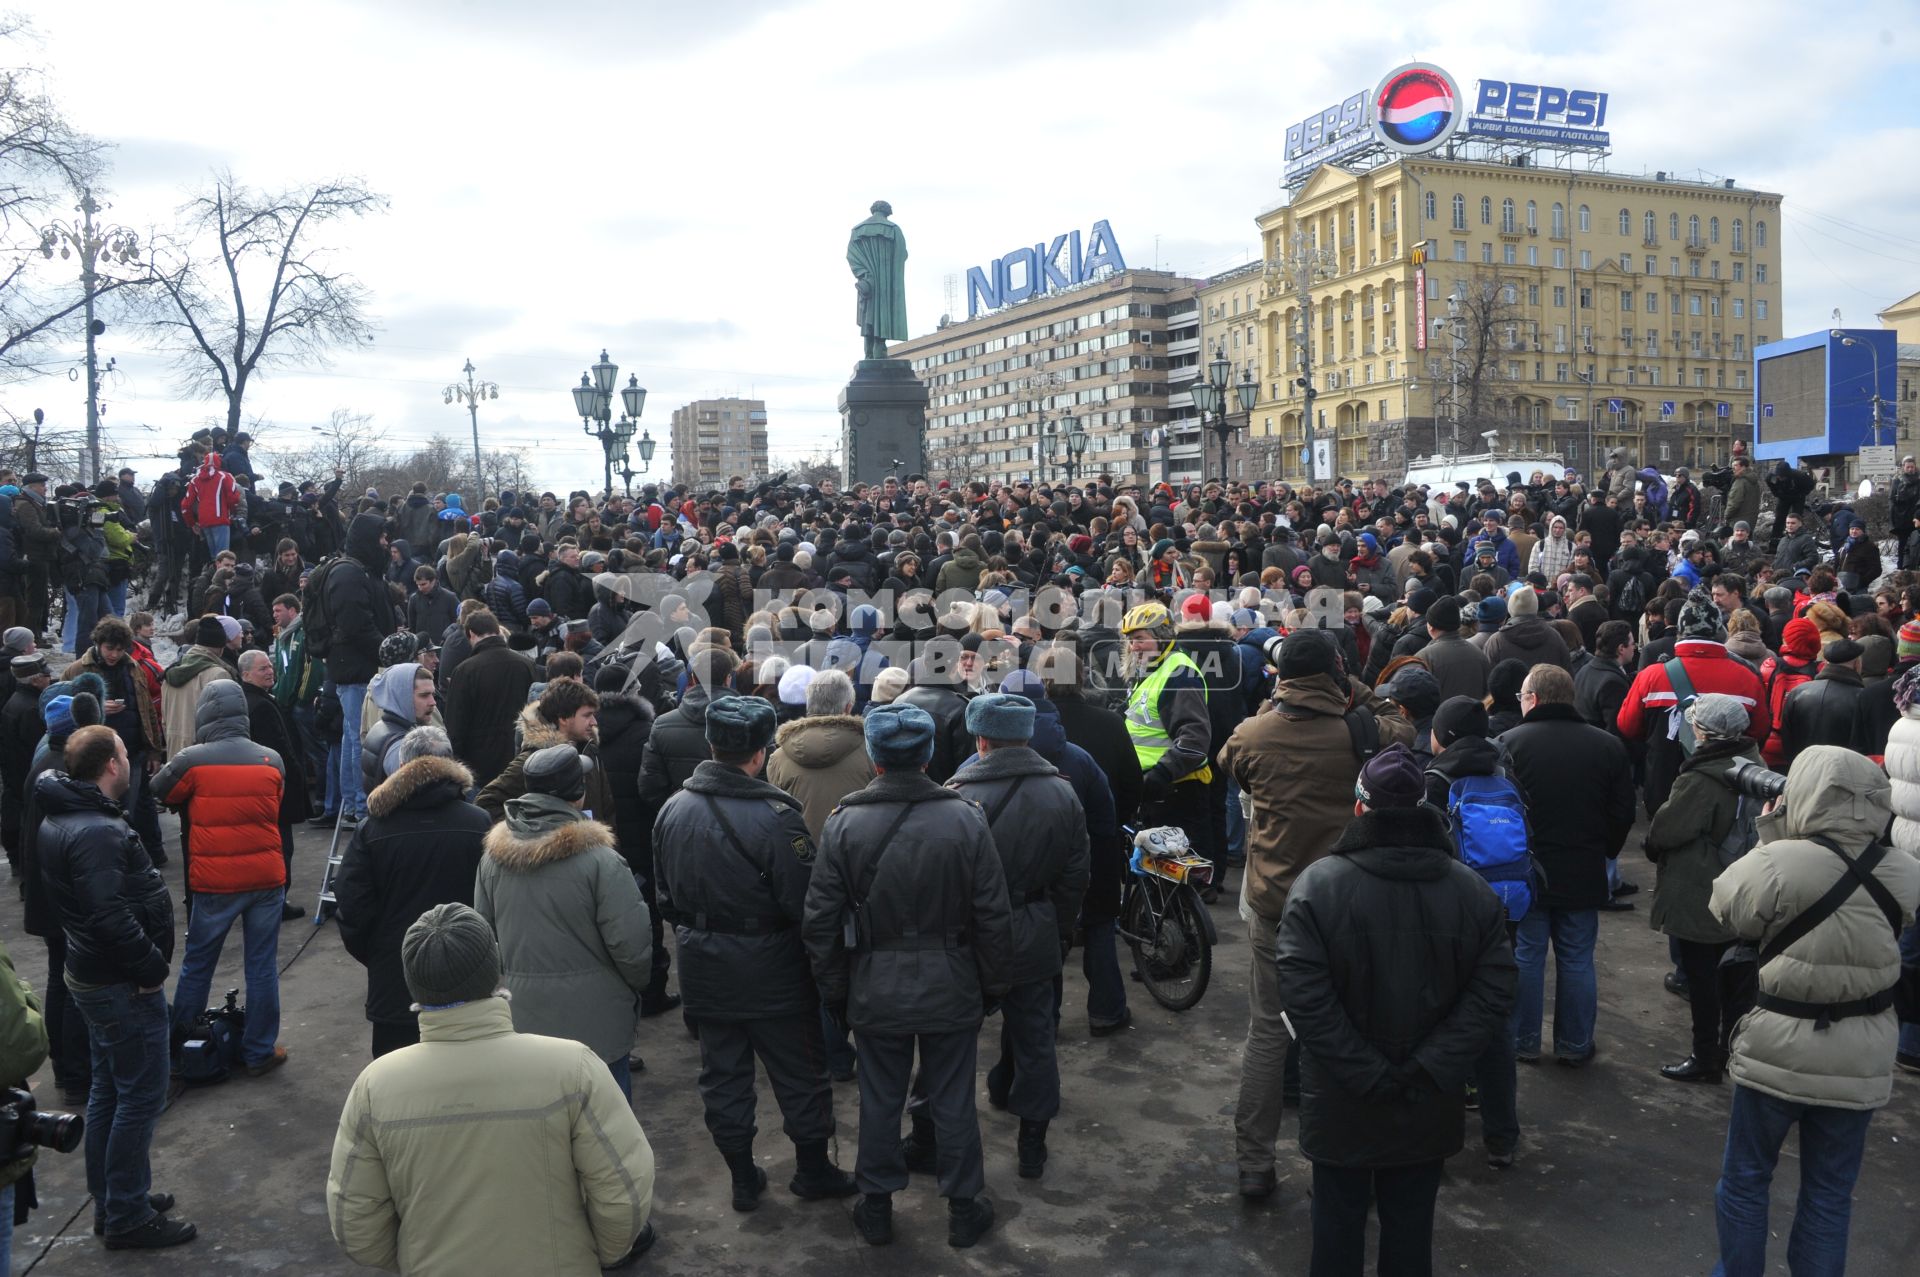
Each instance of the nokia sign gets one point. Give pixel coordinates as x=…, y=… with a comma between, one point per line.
x=1043, y=269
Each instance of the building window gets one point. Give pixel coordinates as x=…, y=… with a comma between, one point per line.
x=1693, y=229
x=1559, y=219
x=1559, y=372
x=1459, y=250
x=1626, y=300
x=1759, y=272
x=1626, y=263
x=1626, y=222
x=1486, y=252
x=1713, y=268
x=1506, y=217
x=1650, y=226
x=1653, y=266
x=1713, y=230
x=1533, y=254
x=1740, y=379
x=1559, y=259
x=1739, y=236
x=1693, y=267
x=1739, y=272
x=1586, y=299
x=1673, y=226
x=1760, y=308
x=1486, y=210
x=1433, y=206
x=1509, y=254
x=1560, y=295
x=1759, y=234
x=1533, y=294
x=1739, y=308
x=1693, y=303
x=1586, y=259
x=1713, y=306
x=1586, y=219
x=1459, y=212
x=1533, y=215
x=1653, y=303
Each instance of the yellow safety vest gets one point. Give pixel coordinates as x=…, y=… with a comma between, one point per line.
x=1144, y=728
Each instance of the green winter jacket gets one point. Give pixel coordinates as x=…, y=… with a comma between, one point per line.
x=1684, y=841
x=23, y=1045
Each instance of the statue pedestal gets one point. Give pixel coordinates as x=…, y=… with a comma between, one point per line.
x=883, y=422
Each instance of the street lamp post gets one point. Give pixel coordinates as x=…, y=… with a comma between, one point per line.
x=1076, y=446
x=593, y=400
x=1210, y=397
x=469, y=394
x=117, y=244
x=1855, y=341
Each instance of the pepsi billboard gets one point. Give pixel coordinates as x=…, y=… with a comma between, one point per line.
x=1418, y=108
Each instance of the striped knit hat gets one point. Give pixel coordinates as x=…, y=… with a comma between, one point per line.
x=1910, y=639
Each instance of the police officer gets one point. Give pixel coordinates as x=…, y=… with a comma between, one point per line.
x=1168, y=724
x=734, y=860
x=1040, y=831
x=910, y=935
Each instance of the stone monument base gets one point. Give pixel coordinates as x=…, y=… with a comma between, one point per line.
x=883, y=422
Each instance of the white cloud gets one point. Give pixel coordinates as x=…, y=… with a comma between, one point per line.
x=675, y=182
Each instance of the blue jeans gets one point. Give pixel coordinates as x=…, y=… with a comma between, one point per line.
x=1576, y=993
x=6, y=1229
x=128, y=1032
x=622, y=1071
x=116, y=606
x=1100, y=963
x=1831, y=1143
x=1236, y=824
x=217, y=539
x=353, y=698
x=1910, y=954
x=213, y=916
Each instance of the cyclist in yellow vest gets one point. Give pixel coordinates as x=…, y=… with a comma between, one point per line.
x=1168, y=725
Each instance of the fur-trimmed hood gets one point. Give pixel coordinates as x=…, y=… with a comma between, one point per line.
x=536, y=732
x=512, y=851
x=815, y=743
x=424, y=777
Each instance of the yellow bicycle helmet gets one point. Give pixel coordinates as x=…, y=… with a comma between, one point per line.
x=1146, y=616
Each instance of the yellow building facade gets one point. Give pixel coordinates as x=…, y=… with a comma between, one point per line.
x=1585, y=304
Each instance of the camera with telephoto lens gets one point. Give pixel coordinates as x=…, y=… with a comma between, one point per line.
x=79, y=511
x=27, y=1128
x=1755, y=781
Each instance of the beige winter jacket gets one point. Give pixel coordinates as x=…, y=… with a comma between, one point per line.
x=820, y=761
x=483, y=1150
x=1840, y=795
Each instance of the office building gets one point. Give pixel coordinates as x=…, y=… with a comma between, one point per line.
x=715, y=439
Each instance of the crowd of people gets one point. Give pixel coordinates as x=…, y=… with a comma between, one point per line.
x=856, y=770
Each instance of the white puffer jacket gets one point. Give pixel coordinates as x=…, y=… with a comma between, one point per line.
x=1903, y=767
x=1834, y=793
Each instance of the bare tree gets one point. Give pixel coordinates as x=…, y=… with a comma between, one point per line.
x=1485, y=326
x=349, y=445
x=45, y=163
x=251, y=287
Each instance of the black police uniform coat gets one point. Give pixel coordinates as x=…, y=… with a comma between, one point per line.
x=940, y=882
x=1040, y=832
x=736, y=907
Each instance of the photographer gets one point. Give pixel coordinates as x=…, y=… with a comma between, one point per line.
x=82, y=561
x=1819, y=891
x=23, y=1048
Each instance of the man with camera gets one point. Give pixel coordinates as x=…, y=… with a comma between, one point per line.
x=112, y=907
x=1823, y=893
x=23, y=1048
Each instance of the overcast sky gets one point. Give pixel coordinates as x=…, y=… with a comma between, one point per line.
x=675, y=181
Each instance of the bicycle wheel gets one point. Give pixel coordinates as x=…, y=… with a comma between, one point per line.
x=1174, y=960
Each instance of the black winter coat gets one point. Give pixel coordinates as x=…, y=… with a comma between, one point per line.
x=419, y=846
x=677, y=745
x=1218, y=656
x=1578, y=783
x=1829, y=710
x=951, y=741
x=484, y=697
x=931, y=877
x=267, y=725
x=1040, y=832
x=110, y=900
x=358, y=601
x=736, y=907
x=626, y=723
x=1396, y=972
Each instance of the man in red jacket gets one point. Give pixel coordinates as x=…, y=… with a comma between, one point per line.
x=1701, y=651
x=230, y=789
x=209, y=504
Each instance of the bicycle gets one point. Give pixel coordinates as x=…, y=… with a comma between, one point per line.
x=1163, y=920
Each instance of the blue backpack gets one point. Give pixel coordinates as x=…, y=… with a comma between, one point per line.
x=1490, y=828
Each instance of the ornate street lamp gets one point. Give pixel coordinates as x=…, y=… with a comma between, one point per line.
x=469, y=393
x=1210, y=397
x=593, y=401
x=97, y=245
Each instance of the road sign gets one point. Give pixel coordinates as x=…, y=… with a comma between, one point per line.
x=1876, y=461
x=1768, y=411
x=1723, y=410
x=1666, y=409
x=1613, y=406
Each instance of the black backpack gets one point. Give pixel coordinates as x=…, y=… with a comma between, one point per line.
x=1632, y=600
x=314, y=609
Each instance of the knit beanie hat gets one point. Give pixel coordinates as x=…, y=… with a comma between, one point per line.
x=889, y=683
x=208, y=632
x=1459, y=716
x=1391, y=778
x=1524, y=601
x=1800, y=640
x=1305, y=652
x=229, y=629
x=1910, y=639
x=558, y=770
x=449, y=955
x=1699, y=618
